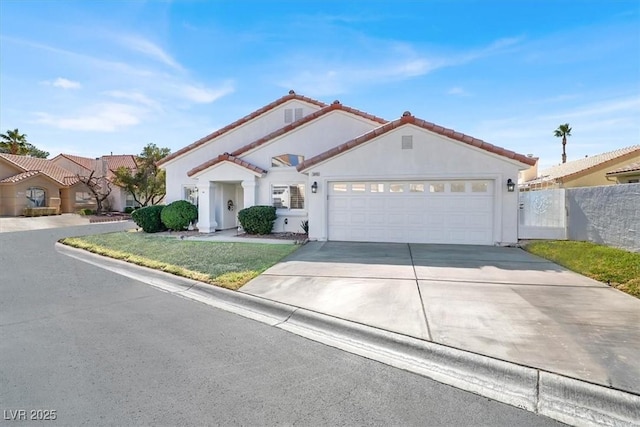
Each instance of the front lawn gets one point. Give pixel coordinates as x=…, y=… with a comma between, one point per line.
x=619, y=268
x=229, y=265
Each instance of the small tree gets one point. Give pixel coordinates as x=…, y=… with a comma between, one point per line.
x=13, y=142
x=147, y=183
x=99, y=187
x=563, y=132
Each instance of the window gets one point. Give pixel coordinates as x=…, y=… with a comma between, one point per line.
x=292, y=114
x=130, y=202
x=83, y=197
x=377, y=188
x=396, y=188
x=436, y=188
x=190, y=194
x=358, y=187
x=415, y=187
x=288, y=196
x=339, y=187
x=286, y=160
x=479, y=187
x=457, y=187
x=36, y=197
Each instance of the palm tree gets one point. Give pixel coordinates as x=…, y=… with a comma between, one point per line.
x=13, y=142
x=563, y=132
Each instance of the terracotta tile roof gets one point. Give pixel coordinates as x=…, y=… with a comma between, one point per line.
x=585, y=165
x=84, y=162
x=291, y=96
x=335, y=106
x=33, y=164
x=631, y=167
x=21, y=176
x=407, y=118
x=226, y=157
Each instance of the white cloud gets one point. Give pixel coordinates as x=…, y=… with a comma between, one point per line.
x=458, y=91
x=149, y=49
x=385, y=62
x=203, y=95
x=66, y=83
x=107, y=117
x=135, y=96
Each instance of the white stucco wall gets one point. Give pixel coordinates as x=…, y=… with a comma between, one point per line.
x=432, y=157
x=313, y=138
x=245, y=134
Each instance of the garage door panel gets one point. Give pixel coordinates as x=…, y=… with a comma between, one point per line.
x=422, y=216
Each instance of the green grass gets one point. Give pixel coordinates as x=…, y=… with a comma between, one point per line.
x=616, y=266
x=229, y=265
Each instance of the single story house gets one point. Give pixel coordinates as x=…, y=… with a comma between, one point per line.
x=626, y=174
x=105, y=166
x=353, y=176
x=601, y=169
x=27, y=182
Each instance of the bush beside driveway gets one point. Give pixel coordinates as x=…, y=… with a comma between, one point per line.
x=226, y=264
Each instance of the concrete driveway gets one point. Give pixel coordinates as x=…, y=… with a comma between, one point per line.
x=9, y=224
x=499, y=302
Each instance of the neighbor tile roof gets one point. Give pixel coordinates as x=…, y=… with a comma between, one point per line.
x=21, y=176
x=335, y=106
x=114, y=162
x=34, y=164
x=581, y=166
x=85, y=162
x=226, y=157
x=291, y=96
x=631, y=167
x=407, y=118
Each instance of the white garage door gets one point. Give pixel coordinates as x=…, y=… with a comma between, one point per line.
x=454, y=211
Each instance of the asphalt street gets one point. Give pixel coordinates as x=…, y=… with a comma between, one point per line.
x=96, y=348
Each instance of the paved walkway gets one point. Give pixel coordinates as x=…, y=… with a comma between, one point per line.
x=500, y=302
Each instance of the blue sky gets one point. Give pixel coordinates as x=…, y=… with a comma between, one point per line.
x=93, y=77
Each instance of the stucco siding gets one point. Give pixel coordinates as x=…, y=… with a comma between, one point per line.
x=598, y=176
x=432, y=157
x=608, y=215
x=245, y=134
x=311, y=139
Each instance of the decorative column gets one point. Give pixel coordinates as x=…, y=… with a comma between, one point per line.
x=206, y=207
x=249, y=191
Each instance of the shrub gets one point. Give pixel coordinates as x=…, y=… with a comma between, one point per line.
x=257, y=219
x=305, y=226
x=86, y=212
x=129, y=209
x=148, y=218
x=179, y=214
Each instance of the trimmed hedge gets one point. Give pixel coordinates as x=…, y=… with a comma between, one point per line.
x=178, y=215
x=257, y=219
x=148, y=218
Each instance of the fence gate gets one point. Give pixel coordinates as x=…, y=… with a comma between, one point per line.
x=542, y=215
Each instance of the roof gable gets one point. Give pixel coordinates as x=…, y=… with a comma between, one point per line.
x=46, y=167
x=576, y=168
x=633, y=167
x=406, y=119
x=226, y=157
x=335, y=106
x=291, y=96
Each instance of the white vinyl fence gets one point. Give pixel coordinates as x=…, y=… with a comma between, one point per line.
x=542, y=215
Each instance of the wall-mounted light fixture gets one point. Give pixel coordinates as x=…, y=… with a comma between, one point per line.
x=314, y=187
x=511, y=186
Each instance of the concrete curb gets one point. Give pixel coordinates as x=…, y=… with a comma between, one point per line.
x=565, y=399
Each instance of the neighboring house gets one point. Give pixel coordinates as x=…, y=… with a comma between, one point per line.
x=627, y=174
x=601, y=169
x=353, y=176
x=104, y=166
x=33, y=182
